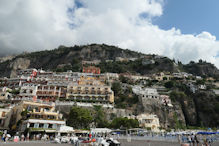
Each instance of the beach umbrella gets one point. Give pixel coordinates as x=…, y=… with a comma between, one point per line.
x=206, y=133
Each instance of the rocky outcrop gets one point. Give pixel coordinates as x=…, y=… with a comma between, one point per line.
x=168, y=116
x=19, y=63
x=6, y=58
x=202, y=69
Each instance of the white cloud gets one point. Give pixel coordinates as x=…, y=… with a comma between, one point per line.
x=36, y=25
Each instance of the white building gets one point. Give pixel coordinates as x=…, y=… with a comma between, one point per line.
x=146, y=92
x=4, y=93
x=109, y=76
x=42, y=117
x=147, y=121
x=41, y=125
x=28, y=92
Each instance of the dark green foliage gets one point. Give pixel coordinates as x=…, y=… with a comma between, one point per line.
x=116, y=87
x=136, y=66
x=169, y=84
x=126, y=80
x=100, y=117
x=207, y=107
x=123, y=97
x=200, y=82
x=79, y=118
x=14, y=92
x=202, y=68
x=178, y=124
x=25, y=114
x=124, y=123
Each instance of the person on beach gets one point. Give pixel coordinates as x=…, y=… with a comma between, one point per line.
x=189, y=139
x=22, y=137
x=197, y=139
x=193, y=140
x=179, y=139
x=3, y=137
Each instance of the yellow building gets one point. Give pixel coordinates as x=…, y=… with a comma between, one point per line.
x=41, y=117
x=41, y=110
x=90, y=90
x=90, y=93
x=147, y=121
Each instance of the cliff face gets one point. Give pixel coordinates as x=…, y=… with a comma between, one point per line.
x=202, y=69
x=18, y=63
x=207, y=108
x=168, y=116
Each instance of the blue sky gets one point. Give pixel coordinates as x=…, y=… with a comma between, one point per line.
x=190, y=16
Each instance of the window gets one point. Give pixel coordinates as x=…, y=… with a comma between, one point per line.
x=31, y=125
x=41, y=125
x=36, y=125
x=46, y=126
x=54, y=126
x=37, y=109
x=50, y=126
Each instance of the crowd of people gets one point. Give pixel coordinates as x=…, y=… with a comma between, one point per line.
x=196, y=139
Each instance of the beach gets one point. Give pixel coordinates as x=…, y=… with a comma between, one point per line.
x=123, y=143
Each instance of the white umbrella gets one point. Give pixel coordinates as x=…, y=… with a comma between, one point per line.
x=8, y=135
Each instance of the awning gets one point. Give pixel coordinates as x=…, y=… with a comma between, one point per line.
x=65, y=129
x=50, y=131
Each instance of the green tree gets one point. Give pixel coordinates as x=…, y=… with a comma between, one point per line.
x=116, y=87
x=124, y=123
x=15, y=92
x=169, y=84
x=99, y=118
x=79, y=118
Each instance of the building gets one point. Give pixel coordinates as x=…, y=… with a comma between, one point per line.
x=121, y=59
x=135, y=77
x=28, y=92
x=111, y=76
x=32, y=72
x=146, y=92
x=162, y=76
x=148, y=61
x=149, y=121
x=91, y=69
x=50, y=92
x=202, y=87
x=5, y=93
x=41, y=118
x=90, y=93
x=93, y=62
x=5, y=117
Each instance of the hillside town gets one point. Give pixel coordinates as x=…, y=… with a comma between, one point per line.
x=31, y=100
